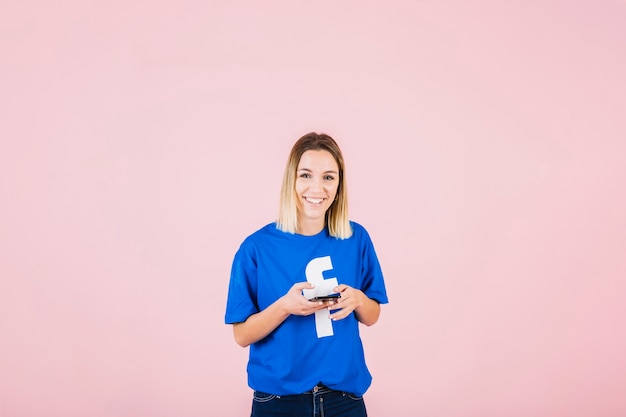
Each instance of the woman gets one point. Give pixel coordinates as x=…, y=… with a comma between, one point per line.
x=306, y=356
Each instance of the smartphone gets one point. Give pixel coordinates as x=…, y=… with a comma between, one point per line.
x=329, y=297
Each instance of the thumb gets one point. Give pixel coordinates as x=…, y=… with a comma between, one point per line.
x=303, y=286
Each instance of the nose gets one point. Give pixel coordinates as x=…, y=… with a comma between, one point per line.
x=316, y=185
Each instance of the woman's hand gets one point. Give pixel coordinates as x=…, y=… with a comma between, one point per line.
x=293, y=302
x=366, y=310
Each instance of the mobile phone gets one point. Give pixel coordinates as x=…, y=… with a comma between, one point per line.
x=329, y=297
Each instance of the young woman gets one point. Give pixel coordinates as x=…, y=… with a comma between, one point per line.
x=306, y=356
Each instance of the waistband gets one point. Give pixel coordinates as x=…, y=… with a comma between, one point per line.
x=319, y=389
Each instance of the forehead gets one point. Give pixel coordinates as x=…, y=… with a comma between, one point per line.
x=318, y=160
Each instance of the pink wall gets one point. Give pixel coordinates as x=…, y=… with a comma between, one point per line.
x=140, y=142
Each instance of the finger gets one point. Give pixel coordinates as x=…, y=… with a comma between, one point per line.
x=340, y=288
x=336, y=315
x=310, y=307
x=302, y=286
x=339, y=314
x=345, y=295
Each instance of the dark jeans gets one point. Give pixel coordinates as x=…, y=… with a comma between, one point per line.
x=320, y=402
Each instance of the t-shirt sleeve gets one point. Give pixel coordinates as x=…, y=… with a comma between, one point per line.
x=373, y=280
x=242, y=289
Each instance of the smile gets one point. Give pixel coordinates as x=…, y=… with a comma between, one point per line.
x=316, y=201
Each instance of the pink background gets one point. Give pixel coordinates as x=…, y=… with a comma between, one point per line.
x=486, y=152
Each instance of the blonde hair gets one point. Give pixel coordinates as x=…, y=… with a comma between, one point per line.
x=337, y=220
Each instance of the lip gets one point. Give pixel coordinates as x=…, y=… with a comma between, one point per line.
x=308, y=200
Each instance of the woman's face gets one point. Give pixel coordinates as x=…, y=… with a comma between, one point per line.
x=317, y=180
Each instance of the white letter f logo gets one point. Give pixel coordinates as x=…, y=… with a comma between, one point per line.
x=314, y=274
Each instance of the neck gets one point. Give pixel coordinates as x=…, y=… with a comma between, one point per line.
x=309, y=229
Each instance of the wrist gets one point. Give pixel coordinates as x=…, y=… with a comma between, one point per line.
x=362, y=298
x=282, y=307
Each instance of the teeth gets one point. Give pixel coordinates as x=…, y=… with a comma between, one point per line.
x=314, y=200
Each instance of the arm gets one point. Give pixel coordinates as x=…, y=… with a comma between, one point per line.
x=260, y=324
x=367, y=311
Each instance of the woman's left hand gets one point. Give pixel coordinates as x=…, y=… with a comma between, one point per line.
x=350, y=300
x=366, y=310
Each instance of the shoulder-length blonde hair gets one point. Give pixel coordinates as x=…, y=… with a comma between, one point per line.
x=337, y=219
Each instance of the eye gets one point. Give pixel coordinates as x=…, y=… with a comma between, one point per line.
x=305, y=175
x=329, y=178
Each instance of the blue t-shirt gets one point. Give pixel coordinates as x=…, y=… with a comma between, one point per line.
x=299, y=353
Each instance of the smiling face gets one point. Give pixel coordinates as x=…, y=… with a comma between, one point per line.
x=317, y=181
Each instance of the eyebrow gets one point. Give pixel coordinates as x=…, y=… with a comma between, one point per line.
x=325, y=172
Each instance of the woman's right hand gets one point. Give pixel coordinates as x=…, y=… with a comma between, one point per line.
x=295, y=303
